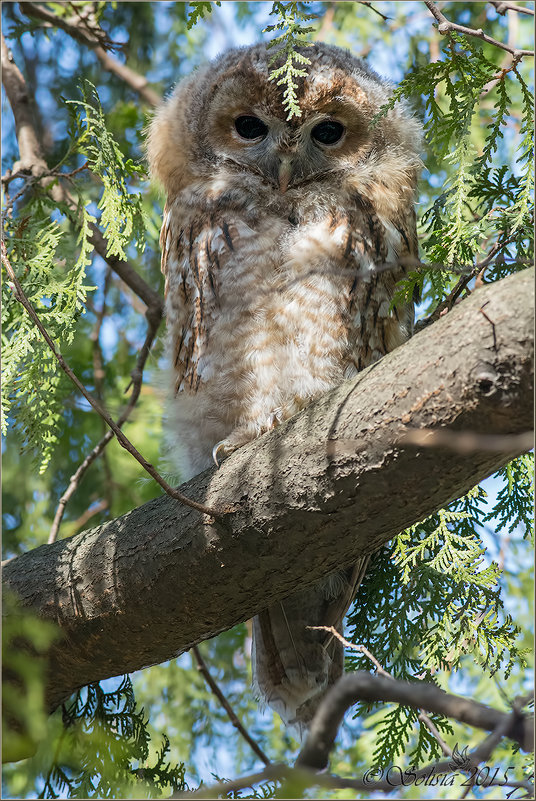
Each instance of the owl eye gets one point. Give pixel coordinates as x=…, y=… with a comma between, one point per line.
x=250, y=127
x=328, y=132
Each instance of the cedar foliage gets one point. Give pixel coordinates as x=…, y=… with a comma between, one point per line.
x=434, y=601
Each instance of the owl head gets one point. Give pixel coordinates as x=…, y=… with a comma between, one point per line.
x=229, y=117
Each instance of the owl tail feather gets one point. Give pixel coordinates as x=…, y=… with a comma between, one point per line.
x=293, y=664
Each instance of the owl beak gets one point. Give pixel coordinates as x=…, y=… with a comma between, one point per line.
x=285, y=172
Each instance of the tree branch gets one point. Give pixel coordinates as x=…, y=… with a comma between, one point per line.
x=362, y=686
x=93, y=402
x=96, y=39
x=32, y=161
x=502, y=7
x=147, y=586
x=445, y=26
x=31, y=154
x=203, y=669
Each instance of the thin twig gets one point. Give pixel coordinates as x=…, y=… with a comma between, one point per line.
x=327, y=22
x=202, y=667
x=98, y=362
x=447, y=304
x=509, y=62
x=304, y=778
x=445, y=27
x=99, y=376
x=55, y=172
x=379, y=669
x=369, y=5
x=121, y=438
x=91, y=511
x=74, y=481
x=153, y=322
x=95, y=38
x=476, y=271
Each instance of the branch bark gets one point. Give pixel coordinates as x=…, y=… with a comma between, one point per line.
x=362, y=686
x=331, y=484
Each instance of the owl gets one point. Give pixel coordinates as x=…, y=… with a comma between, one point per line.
x=282, y=243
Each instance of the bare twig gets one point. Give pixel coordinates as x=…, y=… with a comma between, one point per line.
x=202, y=667
x=98, y=366
x=509, y=62
x=447, y=304
x=85, y=29
x=502, y=7
x=94, y=509
x=302, y=777
x=127, y=273
x=94, y=37
x=56, y=173
x=305, y=777
x=381, y=670
x=129, y=76
x=99, y=376
x=445, y=27
x=153, y=322
x=369, y=5
x=74, y=481
x=121, y=438
x=477, y=271
x=327, y=22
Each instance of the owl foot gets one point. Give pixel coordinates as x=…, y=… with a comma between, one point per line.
x=219, y=446
x=225, y=447
x=237, y=438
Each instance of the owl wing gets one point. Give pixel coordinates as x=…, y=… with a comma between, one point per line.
x=406, y=224
x=196, y=247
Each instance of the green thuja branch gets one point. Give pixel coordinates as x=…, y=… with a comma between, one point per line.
x=106, y=737
x=482, y=208
x=33, y=388
x=198, y=11
x=430, y=600
x=291, y=17
x=515, y=501
x=40, y=242
x=121, y=213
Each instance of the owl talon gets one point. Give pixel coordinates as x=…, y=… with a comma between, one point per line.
x=217, y=447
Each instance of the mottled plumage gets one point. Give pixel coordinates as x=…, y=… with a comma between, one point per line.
x=274, y=249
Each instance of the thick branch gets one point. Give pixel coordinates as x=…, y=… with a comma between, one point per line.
x=331, y=484
x=31, y=154
x=362, y=686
